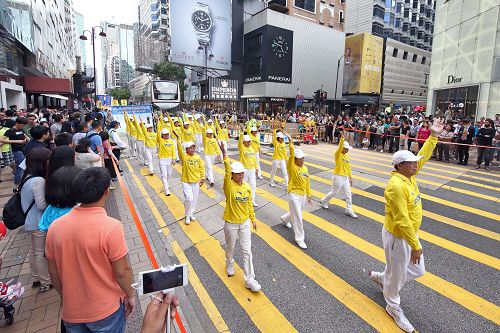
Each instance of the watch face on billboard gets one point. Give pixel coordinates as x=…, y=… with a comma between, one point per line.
x=200, y=33
x=280, y=46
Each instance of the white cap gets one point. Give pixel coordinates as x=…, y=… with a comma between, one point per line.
x=280, y=135
x=246, y=138
x=190, y=116
x=237, y=167
x=210, y=121
x=149, y=125
x=186, y=122
x=188, y=144
x=299, y=153
x=176, y=119
x=404, y=156
x=222, y=122
x=346, y=145
x=209, y=130
x=197, y=116
x=165, y=118
x=253, y=129
x=165, y=131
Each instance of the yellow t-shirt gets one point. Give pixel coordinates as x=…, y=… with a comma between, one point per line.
x=187, y=134
x=193, y=169
x=211, y=146
x=279, y=149
x=6, y=146
x=255, y=141
x=298, y=178
x=247, y=155
x=403, y=208
x=342, y=161
x=166, y=148
x=140, y=134
x=239, y=204
x=149, y=137
x=131, y=130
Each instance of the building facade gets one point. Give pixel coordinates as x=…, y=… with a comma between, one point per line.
x=408, y=21
x=465, y=68
x=80, y=46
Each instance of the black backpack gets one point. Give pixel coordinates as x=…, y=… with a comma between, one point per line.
x=13, y=214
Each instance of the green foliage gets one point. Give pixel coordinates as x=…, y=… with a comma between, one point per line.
x=168, y=71
x=120, y=93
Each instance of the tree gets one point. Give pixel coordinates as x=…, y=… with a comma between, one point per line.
x=120, y=93
x=168, y=71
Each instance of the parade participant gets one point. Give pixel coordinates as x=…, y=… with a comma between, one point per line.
x=211, y=150
x=151, y=144
x=299, y=190
x=279, y=157
x=403, y=217
x=166, y=154
x=131, y=134
x=187, y=131
x=249, y=161
x=222, y=134
x=140, y=141
x=192, y=176
x=342, y=178
x=238, y=214
x=198, y=133
x=254, y=135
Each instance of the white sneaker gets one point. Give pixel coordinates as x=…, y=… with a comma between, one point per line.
x=400, y=318
x=193, y=218
x=253, y=285
x=287, y=224
x=323, y=204
x=255, y=204
x=377, y=279
x=187, y=220
x=167, y=192
x=272, y=184
x=302, y=245
x=351, y=214
x=260, y=177
x=230, y=269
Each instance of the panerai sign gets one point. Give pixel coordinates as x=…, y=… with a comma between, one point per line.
x=453, y=79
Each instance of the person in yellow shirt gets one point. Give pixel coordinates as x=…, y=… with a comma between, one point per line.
x=222, y=134
x=175, y=128
x=238, y=214
x=187, y=130
x=166, y=154
x=198, y=132
x=192, y=176
x=211, y=150
x=140, y=141
x=279, y=156
x=299, y=191
x=247, y=157
x=255, y=136
x=403, y=217
x=150, y=143
x=132, y=133
x=341, y=178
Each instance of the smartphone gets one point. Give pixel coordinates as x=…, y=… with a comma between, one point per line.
x=162, y=279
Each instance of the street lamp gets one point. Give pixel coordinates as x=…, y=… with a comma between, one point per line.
x=207, y=56
x=337, y=83
x=92, y=36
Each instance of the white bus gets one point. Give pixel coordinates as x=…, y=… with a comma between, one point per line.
x=162, y=94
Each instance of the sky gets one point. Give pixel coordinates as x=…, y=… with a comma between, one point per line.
x=96, y=11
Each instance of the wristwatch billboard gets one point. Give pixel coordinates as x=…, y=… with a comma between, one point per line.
x=203, y=23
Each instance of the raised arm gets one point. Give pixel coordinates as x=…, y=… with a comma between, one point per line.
x=430, y=143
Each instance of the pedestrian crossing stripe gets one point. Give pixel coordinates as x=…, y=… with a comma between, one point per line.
x=453, y=292
x=212, y=311
x=445, y=202
x=363, y=306
x=263, y=313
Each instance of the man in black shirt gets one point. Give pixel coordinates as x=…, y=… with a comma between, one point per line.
x=464, y=136
x=485, y=137
x=16, y=133
x=39, y=135
x=8, y=121
x=394, y=132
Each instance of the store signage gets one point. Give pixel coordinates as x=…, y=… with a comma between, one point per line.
x=453, y=79
x=222, y=89
x=274, y=99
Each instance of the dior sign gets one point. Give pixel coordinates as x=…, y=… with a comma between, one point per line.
x=453, y=79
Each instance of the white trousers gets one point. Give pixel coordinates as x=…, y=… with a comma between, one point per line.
x=191, y=191
x=209, y=162
x=341, y=188
x=296, y=203
x=226, y=147
x=282, y=165
x=232, y=231
x=132, y=145
x=252, y=180
x=199, y=142
x=176, y=151
x=259, y=172
x=398, y=268
x=149, y=153
x=165, y=171
x=140, y=151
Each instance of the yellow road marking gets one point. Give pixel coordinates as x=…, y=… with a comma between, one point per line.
x=265, y=316
x=445, y=202
x=212, y=311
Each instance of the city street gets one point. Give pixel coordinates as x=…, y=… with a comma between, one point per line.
x=325, y=288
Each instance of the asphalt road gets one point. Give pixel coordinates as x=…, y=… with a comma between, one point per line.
x=325, y=288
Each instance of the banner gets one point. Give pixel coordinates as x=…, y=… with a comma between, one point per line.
x=115, y=102
x=199, y=24
x=222, y=89
x=105, y=99
x=124, y=102
x=142, y=111
x=363, y=64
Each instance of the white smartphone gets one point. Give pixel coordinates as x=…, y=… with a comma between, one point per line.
x=162, y=279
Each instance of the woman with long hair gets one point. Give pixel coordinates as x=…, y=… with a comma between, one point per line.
x=61, y=156
x=84, y=156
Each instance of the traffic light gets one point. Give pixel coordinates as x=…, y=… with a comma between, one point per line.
x=316, y=96
x=80, y=88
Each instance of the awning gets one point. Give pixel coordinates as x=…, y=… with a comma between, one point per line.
x=56, y=96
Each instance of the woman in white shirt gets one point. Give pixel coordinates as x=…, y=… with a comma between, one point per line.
x=84, y=156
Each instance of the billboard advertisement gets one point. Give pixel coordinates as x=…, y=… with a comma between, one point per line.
x=222, y=89
x=363, y=64
x=142, y=111
x=199, y=24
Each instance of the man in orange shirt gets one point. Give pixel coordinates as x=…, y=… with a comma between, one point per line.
x=88, y=262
